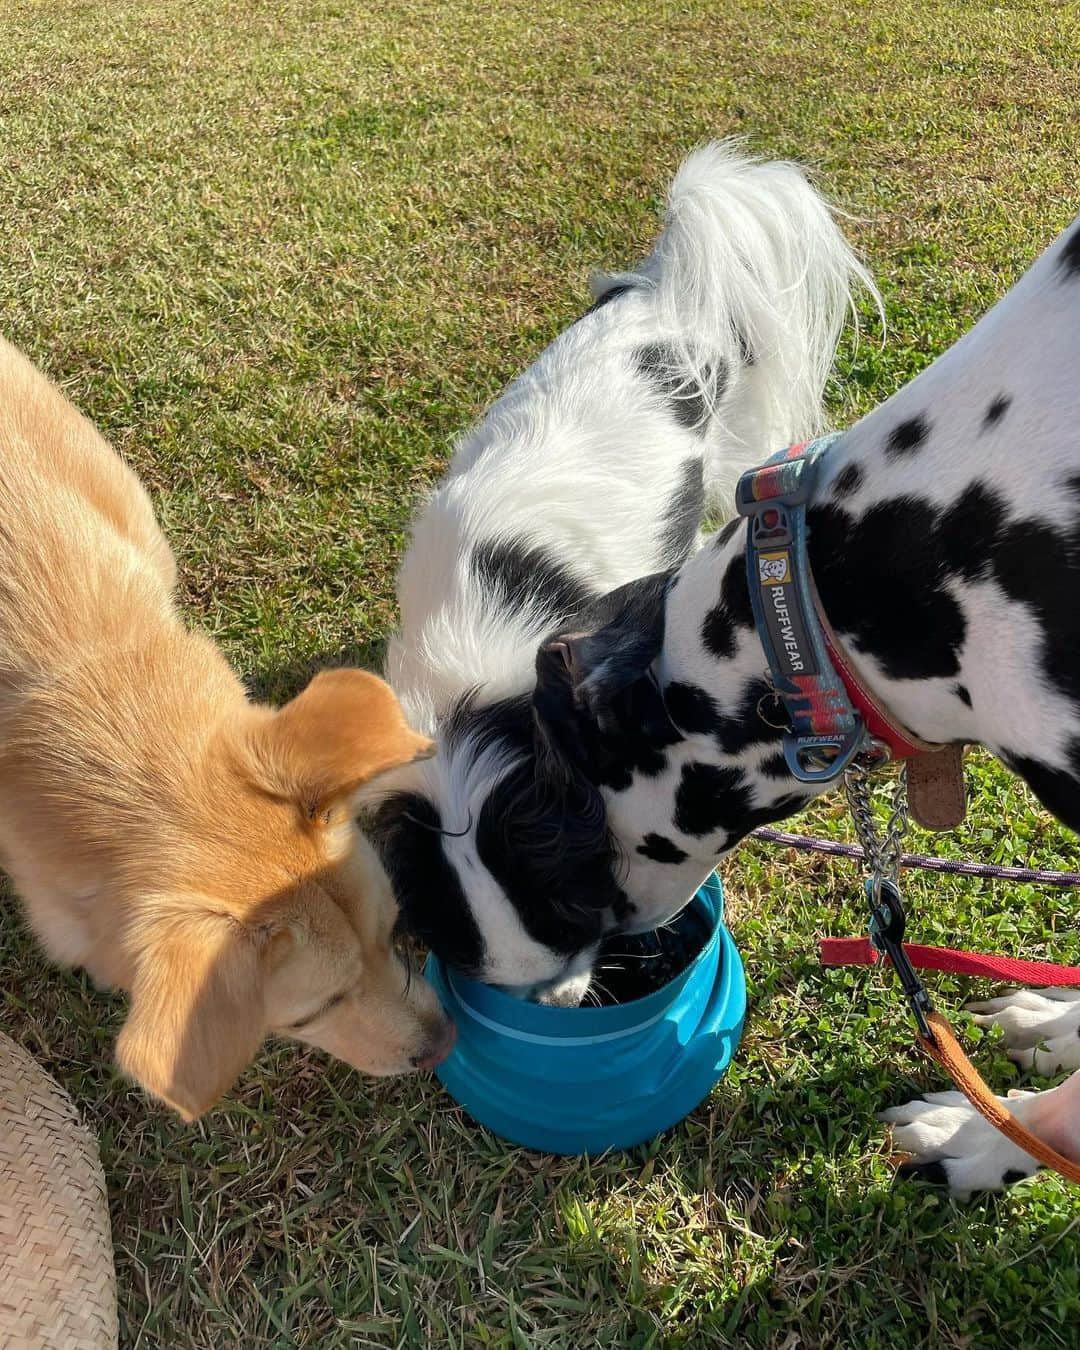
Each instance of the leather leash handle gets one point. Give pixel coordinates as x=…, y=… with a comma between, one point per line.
x=947, y=1052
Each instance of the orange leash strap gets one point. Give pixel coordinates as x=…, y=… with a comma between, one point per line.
x=945, y=1049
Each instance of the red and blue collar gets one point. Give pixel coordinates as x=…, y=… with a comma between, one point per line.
x=832, y=715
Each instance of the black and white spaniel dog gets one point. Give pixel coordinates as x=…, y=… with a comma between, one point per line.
x=944, y=538
x=592, y=470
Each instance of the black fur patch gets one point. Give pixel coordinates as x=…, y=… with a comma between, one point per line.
x=542, y=830
x=517, y=575
x=727, y=532
x=1013, y=1175
x=746, y=726
x=710, y=798
x=542, y=834
x=1069, y=257
x=906, y=437
x=661, y=849
x=683, y=513
x=1037, y=565
x=692, y=710
x=996, y=410
x=612, y=293
x=966, y=533
x=428, y=889
x=775, y=766
x=1057, y=789
x=718, y=633
x=606, y=713
x=933, y=1173
x=732, y=612
x=882, y=582
x=689, y=402
x=735, y=592
x=963, y=694
x=848, y=481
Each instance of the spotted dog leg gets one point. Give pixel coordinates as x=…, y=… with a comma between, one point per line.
x=951, y=1144
x=1041, y=1026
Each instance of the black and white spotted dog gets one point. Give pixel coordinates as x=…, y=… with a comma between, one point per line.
x=592, y=470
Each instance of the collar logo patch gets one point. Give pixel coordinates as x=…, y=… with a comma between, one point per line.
x=774, y=569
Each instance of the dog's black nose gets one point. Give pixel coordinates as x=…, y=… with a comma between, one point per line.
x=440, y=1048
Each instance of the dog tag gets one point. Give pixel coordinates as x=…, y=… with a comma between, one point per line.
x=935, y=787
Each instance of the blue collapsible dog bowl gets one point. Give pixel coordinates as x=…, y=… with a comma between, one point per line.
x=581, y=1080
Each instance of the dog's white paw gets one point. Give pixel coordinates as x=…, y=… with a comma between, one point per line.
x=1041, y=1026
x=951, y=1144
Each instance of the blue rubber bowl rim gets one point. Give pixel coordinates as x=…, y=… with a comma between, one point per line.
x=511, y=1019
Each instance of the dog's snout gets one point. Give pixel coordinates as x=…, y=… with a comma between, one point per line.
x=441, y=1042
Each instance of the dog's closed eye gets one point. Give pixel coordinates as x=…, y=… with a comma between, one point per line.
x=331, y=1002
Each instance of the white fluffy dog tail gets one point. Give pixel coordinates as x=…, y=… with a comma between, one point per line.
x=751, y=271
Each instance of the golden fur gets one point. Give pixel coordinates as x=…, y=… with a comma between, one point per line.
x=164, y=832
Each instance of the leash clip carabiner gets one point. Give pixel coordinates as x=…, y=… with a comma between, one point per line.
x=888, y=922
x=883, y=851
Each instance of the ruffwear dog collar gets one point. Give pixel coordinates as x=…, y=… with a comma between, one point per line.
x=832, y=716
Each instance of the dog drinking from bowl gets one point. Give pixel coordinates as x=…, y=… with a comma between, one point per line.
x=568, y=506
x=176, y=840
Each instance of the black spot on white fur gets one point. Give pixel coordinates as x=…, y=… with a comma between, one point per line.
x=932, y=1173
x=661, y=849
x=692, y=710
x=682, y=516
x=1014, y=1174
x=963, y=694
x=719, y=631
x=775, y=766
x=726, y=533
x=906, y=437
x=997, y=410
x=688, y=401
x=882, y=578
x=606, y=297
x=848, y=481
x=517, y=575
x=1057, y=789
x=710, y=798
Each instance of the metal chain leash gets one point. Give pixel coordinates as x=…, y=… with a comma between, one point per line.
x=882, y=850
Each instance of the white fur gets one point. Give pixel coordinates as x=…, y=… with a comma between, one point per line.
x=579, y=454
x=943, y=1128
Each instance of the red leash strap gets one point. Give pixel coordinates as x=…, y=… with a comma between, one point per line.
x=858, y=951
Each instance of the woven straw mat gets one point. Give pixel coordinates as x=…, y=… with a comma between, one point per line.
x=57, y=1280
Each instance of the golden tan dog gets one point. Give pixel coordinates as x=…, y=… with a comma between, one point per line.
x=165, y=833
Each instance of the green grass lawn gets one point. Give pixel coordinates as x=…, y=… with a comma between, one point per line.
x=281, y=253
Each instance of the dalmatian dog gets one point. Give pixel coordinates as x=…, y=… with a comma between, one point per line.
x=944, y=541
x=592, y=470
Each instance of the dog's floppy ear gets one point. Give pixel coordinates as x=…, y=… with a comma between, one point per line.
x=586, y=672
x=197, y=1013
x=343, y=730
